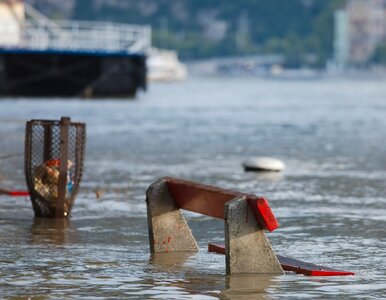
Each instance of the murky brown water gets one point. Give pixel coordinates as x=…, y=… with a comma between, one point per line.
x=330, y=201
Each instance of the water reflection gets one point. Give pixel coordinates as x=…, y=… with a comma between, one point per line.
x=247, y=286
x=171, y=259
x=52, y=231
x=176, y=275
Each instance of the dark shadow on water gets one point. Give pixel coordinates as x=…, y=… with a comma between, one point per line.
x=52, y=231
x=267, y=176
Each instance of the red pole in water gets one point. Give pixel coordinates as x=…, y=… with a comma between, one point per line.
x=14, y=193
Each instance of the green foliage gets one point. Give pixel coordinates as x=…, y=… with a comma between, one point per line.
x=379, y=56
x=302, y=30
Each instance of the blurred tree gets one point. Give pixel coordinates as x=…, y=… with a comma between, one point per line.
x=379, y=56
x=302, y=30
x=83, y=10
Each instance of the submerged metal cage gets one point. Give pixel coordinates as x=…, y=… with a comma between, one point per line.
x=54, y=155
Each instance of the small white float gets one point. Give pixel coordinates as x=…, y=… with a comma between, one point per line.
x=263, y=164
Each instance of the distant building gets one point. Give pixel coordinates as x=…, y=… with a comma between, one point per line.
x=359, y=28
x=341, y=40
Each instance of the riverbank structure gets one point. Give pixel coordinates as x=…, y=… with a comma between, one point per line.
x=42, y=57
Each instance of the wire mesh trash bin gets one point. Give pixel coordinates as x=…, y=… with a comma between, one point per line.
x=54, y=155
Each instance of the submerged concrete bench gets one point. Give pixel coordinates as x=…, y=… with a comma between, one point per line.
x=247, y=248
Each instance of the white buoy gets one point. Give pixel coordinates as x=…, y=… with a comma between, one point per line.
x=263, y=164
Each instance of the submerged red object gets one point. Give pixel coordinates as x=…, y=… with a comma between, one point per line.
x=14, y=193
x=309, y=269
x=18, y=193
x=294, y=265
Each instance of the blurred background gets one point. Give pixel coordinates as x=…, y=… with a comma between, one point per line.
x=306, y=32
x=296, y=38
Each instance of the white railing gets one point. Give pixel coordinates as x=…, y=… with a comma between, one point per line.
x=77, y=36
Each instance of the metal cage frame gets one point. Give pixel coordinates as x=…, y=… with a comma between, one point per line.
x=53, y=185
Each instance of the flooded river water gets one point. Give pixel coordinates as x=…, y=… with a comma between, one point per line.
x=330, y=200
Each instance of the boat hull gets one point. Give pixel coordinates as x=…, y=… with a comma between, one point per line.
x=71, y=74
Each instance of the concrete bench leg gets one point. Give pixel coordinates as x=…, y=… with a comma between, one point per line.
x=168, y=230
x=247, y=249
